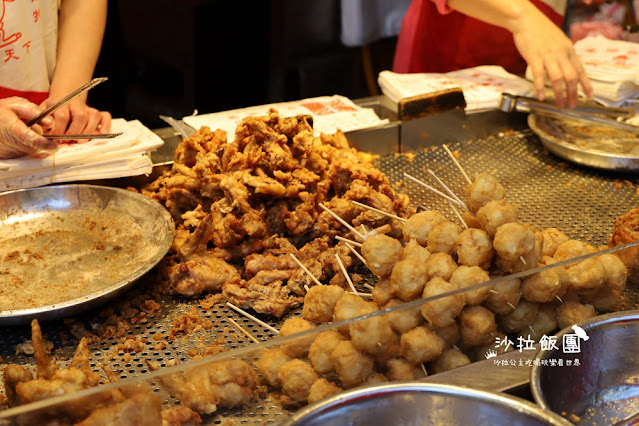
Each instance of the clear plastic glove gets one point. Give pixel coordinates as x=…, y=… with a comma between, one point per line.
x=78, y=118
x=16, y=139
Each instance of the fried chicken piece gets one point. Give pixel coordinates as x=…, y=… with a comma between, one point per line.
x=14, y=374
x=203, y=272
x=142, y=409
x=626, y=230
x=225, y=384
x=274, y=298
x=180, y=416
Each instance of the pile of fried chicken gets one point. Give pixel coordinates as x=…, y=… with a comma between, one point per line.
x=243, y=207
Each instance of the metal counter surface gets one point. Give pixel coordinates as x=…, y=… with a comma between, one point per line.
x=581, y=202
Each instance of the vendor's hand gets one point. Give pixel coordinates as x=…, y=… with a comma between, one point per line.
x=16, y=139
x=77, y=117
x=549, y=52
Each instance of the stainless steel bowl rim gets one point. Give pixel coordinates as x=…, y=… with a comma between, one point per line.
x=516, y=403
x=535, y=371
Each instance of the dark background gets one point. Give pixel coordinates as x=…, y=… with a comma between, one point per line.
x=171, y=57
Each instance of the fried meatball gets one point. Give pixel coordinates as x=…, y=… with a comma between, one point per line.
x=321, y=389
x=421, y=345
x=298, y=349
x=443, y=238
x=419, y=225
x=320, y=301
x=372, y=335
x=408, y=279
x=572, y=312
x=444, y=311
x=449, y=360
x=405, y=319
x=320, y=351
x=474, y=248
x=352, y=366
x=521, y=317
x=496, y=213
x=440, y=265
x=297, y=377
x=269, y=363
x=482, y=190
x=381, y=252
x=553, y=238
x=399, y=369
x=466, y=276
x=504, y=296
x=381, y=292
x=477, y=325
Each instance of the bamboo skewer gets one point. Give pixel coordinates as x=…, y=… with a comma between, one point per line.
x=249, y=335
x=452, y=194
x=359, y=256
x=301, y=265
x=347, y=241
x=348, y=278
x=461, y=219
x=343, y=222
x=458, y=165
x=441, y=194
x=249, y=316
x=382, y=212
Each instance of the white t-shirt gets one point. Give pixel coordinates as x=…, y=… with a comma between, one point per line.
x=28, y=44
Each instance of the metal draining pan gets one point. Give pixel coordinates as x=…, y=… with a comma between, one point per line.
x=581, y=202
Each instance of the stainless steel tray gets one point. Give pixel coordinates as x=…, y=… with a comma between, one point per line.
x=68, y=248
x=587, y=144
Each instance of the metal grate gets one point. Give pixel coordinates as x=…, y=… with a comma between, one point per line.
x=581, y=202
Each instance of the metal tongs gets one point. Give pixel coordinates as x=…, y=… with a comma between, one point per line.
x=68, y=98
x=601, y=115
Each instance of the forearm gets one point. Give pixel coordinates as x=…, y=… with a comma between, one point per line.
x=509, y=14
x=80, y=34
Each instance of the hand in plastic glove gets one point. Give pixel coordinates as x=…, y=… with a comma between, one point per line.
x=16, y=139
x=78, y=118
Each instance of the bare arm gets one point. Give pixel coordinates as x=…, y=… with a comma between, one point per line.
x=544, y=46
x=81, y=29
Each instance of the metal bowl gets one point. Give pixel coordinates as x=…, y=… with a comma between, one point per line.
x=68, y=248
x=604, y=387
x=413, y=403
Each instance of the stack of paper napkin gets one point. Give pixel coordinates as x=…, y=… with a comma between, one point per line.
x=125, y=155
x=612, y=66
x=482, y=86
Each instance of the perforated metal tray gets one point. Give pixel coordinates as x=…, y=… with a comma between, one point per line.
x=550, y=193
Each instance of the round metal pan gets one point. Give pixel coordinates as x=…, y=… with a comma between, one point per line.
x=68, y=248
x=414, y=403
x=603, y=387
x=587, y=144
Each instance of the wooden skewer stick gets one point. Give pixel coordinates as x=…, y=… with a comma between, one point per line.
x=249, y=335
x=301, y=265
x=306, y=288
x=249, y=316
x=368, y=286
x=452, y=194
x=343, y=222
x=347, y=241
x=458, y=165
x=382, y=212
x=362, y=294
x=559, y=298
x=359, y=256
x=461, y=219
x=532, y=329
x=511, y=305
x=348, y=278
x=523, y=260
x=493, y=291
x=441, y=194
x=424, y=369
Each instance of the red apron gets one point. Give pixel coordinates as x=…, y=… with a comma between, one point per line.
x=433, y=42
